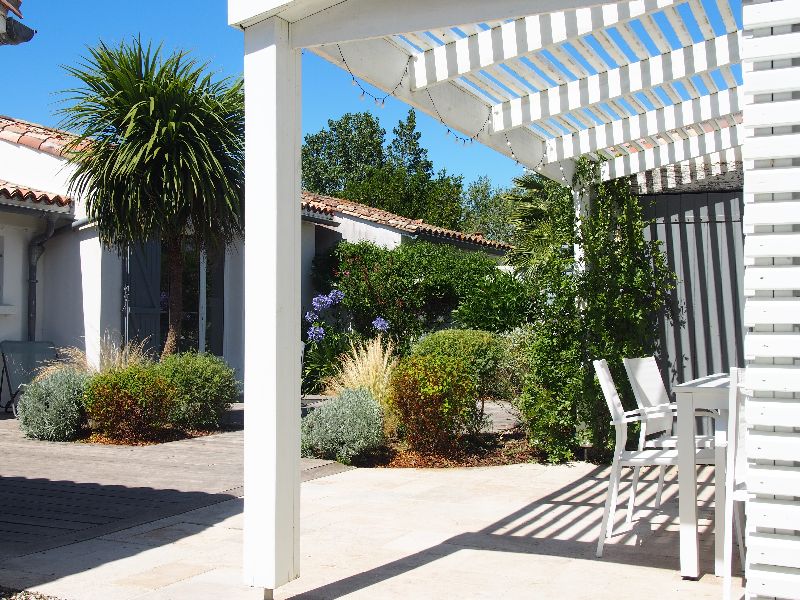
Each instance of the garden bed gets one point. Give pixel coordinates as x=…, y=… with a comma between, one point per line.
x=484, y=450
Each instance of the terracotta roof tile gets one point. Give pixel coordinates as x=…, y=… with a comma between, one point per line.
x=38, y=137
x=404, y=224
x=13, y=191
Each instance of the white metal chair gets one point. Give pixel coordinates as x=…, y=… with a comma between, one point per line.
x=735, y=481
x=632, y=458
x=649, y=391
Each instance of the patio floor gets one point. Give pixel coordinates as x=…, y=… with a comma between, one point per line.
x=84, y=522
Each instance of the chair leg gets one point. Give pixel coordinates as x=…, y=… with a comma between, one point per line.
x=738, y=525
x=607, y=526
x=662, y=471
x=632, y=499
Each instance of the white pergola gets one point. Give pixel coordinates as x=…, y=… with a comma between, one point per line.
x=639, y=84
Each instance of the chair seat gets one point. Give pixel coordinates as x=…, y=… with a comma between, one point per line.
x=666, y=457
x=671, y=441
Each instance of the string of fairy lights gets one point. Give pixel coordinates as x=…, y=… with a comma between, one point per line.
x=380, y=102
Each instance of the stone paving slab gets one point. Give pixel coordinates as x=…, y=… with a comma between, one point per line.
x=510, y=532
x=53, y=494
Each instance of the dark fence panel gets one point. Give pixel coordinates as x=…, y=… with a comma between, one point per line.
x=702, y=237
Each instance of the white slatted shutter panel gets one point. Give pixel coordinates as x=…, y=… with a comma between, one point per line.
x=771, y=153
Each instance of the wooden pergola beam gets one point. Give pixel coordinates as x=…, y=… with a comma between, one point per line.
x=381, y=63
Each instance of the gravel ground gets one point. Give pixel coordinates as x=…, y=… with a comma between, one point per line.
x=6, y=594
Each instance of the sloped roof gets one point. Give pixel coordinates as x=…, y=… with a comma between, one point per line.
x=45, y=139
x=330, y=205
x=26, y=195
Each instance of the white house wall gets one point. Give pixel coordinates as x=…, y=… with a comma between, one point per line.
x=354, y=229
x=82, y=294
x=16, y=231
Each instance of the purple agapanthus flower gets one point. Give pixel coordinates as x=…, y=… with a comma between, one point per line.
x=336, y=296
x=321, y=302
x=315, y=333
x=311, y=317
x=380, y=324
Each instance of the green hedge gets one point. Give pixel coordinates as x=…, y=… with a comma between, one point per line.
x=415, y=287
x=481, y=353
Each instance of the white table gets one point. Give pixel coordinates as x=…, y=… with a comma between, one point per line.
x=709, y=392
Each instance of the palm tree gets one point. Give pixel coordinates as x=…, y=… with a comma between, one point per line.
x=543, y=225
x=159, y=154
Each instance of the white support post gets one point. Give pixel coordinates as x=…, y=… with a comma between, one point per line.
x=272, y=306
x=202, y=300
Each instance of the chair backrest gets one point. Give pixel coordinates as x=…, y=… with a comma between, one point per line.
x=21, y=360
x=609, y=389
x=736, y=453
x=648, y=389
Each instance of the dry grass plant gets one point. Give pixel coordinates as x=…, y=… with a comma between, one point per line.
x=113, y=355
x=367, y=365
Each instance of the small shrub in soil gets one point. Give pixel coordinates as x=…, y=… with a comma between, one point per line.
x=133, y=404
x=435, y=399
x=344, y=428
x=204, y=387
x=51, y=408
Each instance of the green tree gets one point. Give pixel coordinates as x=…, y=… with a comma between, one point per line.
x=348, y=150
x=488, y=210
x=351, y=159
x=159, y=154
x=606, y=305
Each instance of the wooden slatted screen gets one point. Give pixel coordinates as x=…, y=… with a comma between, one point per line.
x=771, y=153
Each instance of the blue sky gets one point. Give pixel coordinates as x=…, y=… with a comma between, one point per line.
x=33, y=70
x=34, y=74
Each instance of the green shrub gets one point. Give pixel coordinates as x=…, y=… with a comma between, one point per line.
x=344, y=428
x=130, y=404
x=51, y=407
x=415, y=287
x=498, y=303
x=204, y=388
x=481, y=353
x=435, y=400
x=517, y=362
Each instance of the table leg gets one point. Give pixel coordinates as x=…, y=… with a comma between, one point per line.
x=687, y=487
x=720, y=469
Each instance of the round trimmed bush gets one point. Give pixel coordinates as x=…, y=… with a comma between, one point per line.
x=344, y=428
x=481, y=353
x=204, y=388
x=435, y=400
x=51, y=408
x=131, y=404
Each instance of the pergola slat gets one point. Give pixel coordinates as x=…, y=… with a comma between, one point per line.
x=651, y=123
x=522, y=37
x=586, y=92
x=665, y=154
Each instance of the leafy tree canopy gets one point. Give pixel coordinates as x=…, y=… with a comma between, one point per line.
x=489, y=210
x=352, y=159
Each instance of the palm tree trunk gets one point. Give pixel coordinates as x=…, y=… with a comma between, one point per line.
x=174, y=246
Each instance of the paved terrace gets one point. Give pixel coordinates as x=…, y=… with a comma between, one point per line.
x=86, y=522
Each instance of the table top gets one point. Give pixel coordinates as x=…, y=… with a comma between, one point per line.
x=721, y=381
x=710, y=391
